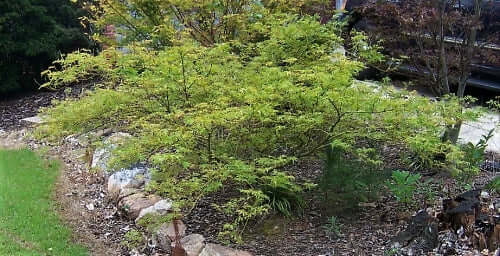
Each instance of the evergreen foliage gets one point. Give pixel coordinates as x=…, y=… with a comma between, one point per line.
x=33, y=33
x=349, y=178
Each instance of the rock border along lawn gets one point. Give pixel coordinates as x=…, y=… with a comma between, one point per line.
x=127, y=186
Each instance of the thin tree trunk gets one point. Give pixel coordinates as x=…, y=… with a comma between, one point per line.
x=445, y=87
x=453, y=132
x=469, y=49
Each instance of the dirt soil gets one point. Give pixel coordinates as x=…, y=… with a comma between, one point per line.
x=82, y=203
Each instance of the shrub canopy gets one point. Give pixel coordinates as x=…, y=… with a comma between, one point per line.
x=235, y=116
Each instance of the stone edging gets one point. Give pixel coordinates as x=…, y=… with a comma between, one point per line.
x=126, y=188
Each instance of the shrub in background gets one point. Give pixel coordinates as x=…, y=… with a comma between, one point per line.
x=32, y=35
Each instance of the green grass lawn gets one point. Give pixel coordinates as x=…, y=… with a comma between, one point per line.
x=29, y=224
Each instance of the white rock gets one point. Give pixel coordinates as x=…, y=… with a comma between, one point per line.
x=485, y=195
x=135, y=252
x=133, y=205
x=160, y=208
x=90, y=207
x=338, y=54
x=77, y=141
x=33, y=120
x=117, y=137
x=102, y=155
x=128, y=178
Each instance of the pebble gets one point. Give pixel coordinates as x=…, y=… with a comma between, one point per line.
x=90, y=207
x=485, y=195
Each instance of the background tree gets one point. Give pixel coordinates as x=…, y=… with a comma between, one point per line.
x=160, y=23
x=33, y=33
x=439, y=39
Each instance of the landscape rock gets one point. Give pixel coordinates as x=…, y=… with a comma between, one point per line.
x=193, y=244
x=74, y=140
x=133, y=204
x=90, y=207
x=168, y=230
x=102, y=155
x=219, y=250
x=485, y=195
x=160, y=208
x=127, y=192
x=83, y=140
x=33, y=120
x=135, y=177
x=165, y=235
x=462, y=211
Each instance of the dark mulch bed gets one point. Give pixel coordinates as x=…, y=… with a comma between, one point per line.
x=17, y=107
x=365, y=229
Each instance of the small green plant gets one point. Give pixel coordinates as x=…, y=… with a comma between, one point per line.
x=403, y=185
x=333, y=227
x=427, y=190
x=427, y=153
x=494, y=103
x=494, y=185
x=133, y=239
x=243, y=209
x=391, y=252
x=352, y=180
x=472, y=157
x=474, y=153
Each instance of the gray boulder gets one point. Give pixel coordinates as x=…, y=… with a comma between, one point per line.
x=133, y=204
x=219, y=250
x=135, y=177
x=165, y=235
x=102, y=155
x=160, y=208
x=33, y=120
x=193, y=244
